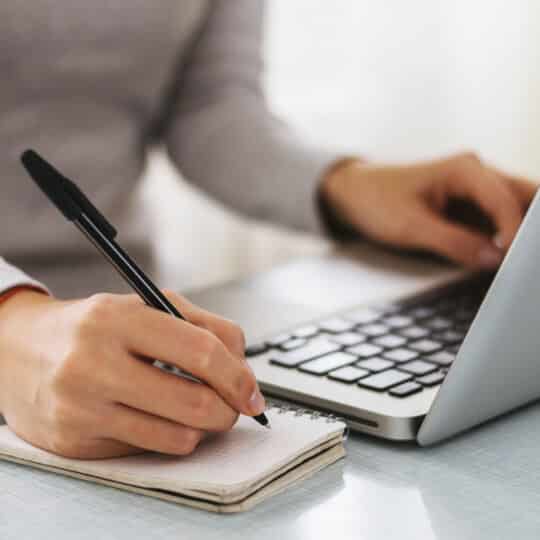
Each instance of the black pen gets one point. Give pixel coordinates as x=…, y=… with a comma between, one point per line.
x=76, y=207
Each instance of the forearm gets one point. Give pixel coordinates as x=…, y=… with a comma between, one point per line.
x=222, y=135
x=13, y=324
x=15, y=287
x=239, y=153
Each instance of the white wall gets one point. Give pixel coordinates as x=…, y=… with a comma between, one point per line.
x=390, y=80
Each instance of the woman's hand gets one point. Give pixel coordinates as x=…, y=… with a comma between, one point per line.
x=72, y=379
x=405, y=206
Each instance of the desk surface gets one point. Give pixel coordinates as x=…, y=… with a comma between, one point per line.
x=484, y=484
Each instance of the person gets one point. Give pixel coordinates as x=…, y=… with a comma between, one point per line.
x=93, y=86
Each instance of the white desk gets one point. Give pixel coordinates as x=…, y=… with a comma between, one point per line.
x=484, y=484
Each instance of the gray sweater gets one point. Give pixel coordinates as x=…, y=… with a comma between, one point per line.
x=93, y=85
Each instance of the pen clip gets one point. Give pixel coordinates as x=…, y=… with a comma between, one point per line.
x=88, y=208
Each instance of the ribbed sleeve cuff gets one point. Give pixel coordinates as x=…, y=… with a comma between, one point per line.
x=11, y=277
x=299, y=204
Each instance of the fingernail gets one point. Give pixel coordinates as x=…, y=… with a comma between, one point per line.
x=248, y=365
x=498, y=241
x=489, y=257
x=256, y=402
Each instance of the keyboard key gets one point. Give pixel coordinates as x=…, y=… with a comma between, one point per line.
x=415, y=332
x=348, y=339
x=314, y=349
x=425, y=346
x=256, y=349
x=405, y=389
x=462, y=327
x=375, y=364
x=464, y=315
x=387, y=309
x=374, y=330
x=454, y=349
x=336, y=325
x=447, y=304
x=306, y=332
x=418, y=367
x=398, y=321
x=327, y=363
x=433, y=379
x=384, y=380
x=438, y=323
x=293, y=344
x=442, y=358
x=348, y=374
x=450, y=336
x=390, y=341
x=422, y=312
x=365, y=350
x=400, y=355
x=362, y=316
x=278, y=340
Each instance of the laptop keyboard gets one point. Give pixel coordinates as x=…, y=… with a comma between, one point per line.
x=399, y=348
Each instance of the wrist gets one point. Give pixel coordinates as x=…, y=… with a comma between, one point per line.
x=12, y=303
x=15, y=322
x=332, y=192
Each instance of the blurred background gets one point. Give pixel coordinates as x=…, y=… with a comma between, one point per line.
x=391, y=81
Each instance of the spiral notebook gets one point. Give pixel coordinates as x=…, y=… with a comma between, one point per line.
x=229, y=472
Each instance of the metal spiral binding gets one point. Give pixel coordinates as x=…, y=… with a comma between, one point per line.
x=283, y=407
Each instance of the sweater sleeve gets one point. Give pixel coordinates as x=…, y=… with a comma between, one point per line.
x=223, y=137
x=11, y=277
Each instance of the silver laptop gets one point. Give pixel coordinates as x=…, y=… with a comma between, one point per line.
x=401, y=349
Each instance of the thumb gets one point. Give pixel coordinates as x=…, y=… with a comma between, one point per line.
x=456, y=242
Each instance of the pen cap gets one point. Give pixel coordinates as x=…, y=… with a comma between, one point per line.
x=64, y=193
x=50, y=182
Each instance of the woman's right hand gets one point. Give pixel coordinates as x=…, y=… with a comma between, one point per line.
x=72, y=380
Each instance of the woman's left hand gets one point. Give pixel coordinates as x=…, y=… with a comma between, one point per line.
x=405, y=206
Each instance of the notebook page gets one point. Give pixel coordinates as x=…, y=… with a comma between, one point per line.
x=222, y=464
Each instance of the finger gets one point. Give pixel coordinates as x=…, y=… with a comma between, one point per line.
x=177, y=399
x=455, y=242
x=487, y=189
x=228, y=332
x=151, y=333
x=137, y=429
x=524, y=190
x=107, y=448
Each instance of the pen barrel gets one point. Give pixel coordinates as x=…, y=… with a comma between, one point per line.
x=126, y=267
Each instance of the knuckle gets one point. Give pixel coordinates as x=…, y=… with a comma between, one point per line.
x=96, y=312
x=451, y=242
x=236, y=334
x=406, y=233
x=63, y=377
x=245, y=383
x=469, y=158
x=210, y=347
x=188, y=441
x=224, y=419
x=101, y=303
x=204, y=403
x=230, y=421
x=173, y=297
